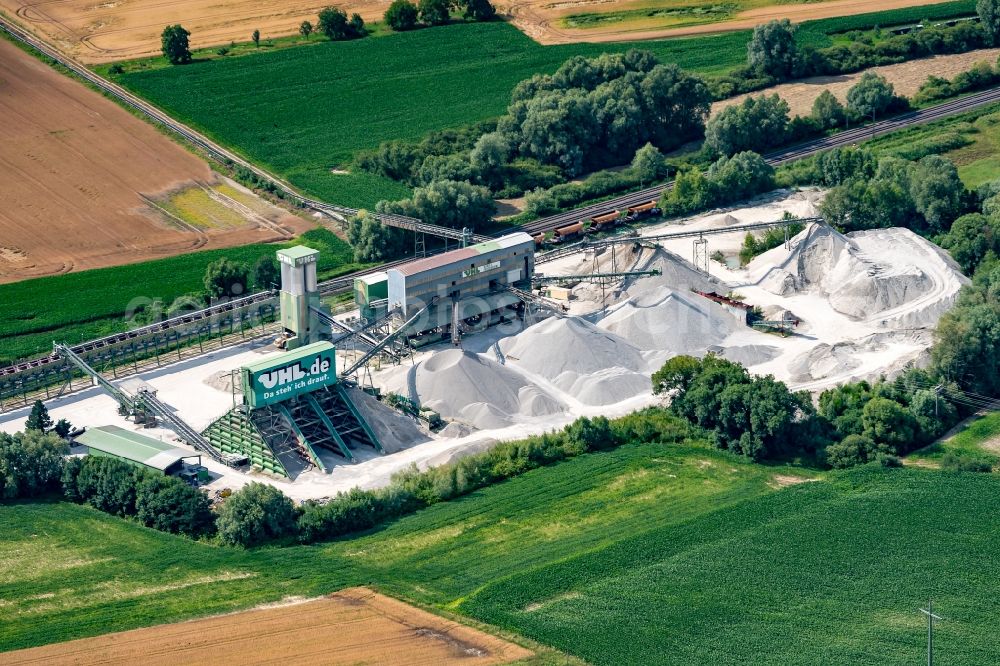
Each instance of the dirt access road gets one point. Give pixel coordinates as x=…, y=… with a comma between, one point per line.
x=542, y=19
x=905, y=77
x=75, y=170
x=95, y=32
x=354, y=626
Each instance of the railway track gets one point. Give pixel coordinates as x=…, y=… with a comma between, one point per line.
x=783, y=156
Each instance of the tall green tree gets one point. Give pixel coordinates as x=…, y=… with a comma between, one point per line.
x=828, y=111
x=401, y=15
x=373, y=241
x=256, y=514
x=755, y=124
x=989, y=17
x=39, y=419
x=305, y=29
x=168, y=504
x=772, y=50
x=174, y=43
x=30, y=464
x=334, y=24
x=446, y=203
x=434, y=12
x=255, y=38
x=871, y=95
x=226, y=279
x=649, y=164
x=479, y=10
x=266, y=274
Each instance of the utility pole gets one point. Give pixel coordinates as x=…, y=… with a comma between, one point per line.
x=929, y=612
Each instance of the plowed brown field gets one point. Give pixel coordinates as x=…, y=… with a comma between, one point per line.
x=74, y=168
x=355, y=626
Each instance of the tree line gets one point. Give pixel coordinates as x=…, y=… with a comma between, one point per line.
x=335, y=25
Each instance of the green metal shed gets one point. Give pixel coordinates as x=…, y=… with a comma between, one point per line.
x=115, y=442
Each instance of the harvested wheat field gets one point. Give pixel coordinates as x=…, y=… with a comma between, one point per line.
x=86, y=184
x=545, y=20
x=905, y=77
x=97, y=32
x=354, y=626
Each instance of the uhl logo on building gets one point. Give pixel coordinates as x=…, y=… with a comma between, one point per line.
x=291, y=373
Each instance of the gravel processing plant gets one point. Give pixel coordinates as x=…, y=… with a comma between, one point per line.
x=496, y=341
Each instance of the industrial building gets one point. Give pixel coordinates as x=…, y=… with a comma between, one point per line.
x=467, y=288
x=114, y=442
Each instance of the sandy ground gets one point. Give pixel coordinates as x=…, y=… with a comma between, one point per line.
x=905, y=77
x=95, y=32
x=75, y=169
x=323, y=631
x=541, y=19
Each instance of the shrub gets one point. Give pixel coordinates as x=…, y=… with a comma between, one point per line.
x=168, y=504
x=957, y=463
x=256, y=514
x=401, y=15
x=31, y=464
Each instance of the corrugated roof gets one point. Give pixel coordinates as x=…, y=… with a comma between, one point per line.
x=122, y=443
x=279, y=360
x=446, y=258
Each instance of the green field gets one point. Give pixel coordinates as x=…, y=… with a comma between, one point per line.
x=304, y=111
x=638, y=555
x=80, y=306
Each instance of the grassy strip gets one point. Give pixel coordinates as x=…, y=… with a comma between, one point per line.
x=80, y=306
x=979, y=441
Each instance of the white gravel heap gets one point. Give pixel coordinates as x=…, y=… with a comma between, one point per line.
x=589, y=364
x=671, y=321
x=889, y=276
x=473, y=389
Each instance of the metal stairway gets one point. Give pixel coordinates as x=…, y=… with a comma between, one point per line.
x=344, y=416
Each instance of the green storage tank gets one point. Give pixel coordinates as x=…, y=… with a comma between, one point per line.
x=368, y=289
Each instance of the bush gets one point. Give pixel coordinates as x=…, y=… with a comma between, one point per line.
x=401, y=15
x=168, y=504
x=334, y=24
x=434, y=12
x=853, y=450
x=107, y=484
x=957, y=463
x=756, y=124
x=446, y=203
x=256, y=514
x=31, y=464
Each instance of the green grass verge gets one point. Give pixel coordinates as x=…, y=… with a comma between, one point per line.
x=619, y=558
x=80, y=306
x=980, y=440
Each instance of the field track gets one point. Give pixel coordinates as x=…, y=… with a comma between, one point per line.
x=353, y=626
x=541, y=19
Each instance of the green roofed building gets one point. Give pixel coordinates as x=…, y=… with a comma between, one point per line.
x=115, y=442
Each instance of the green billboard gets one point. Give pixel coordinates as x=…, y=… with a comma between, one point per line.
x=287, y=375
